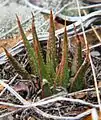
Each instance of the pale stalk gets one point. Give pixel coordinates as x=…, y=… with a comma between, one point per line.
x=86, y=43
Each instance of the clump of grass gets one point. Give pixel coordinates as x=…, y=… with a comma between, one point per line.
x=52, y=73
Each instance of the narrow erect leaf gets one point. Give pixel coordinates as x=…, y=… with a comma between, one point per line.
x=38, y=51
x=51, y=57
x=62, y=74
x=78, y=82
x=79, y=49
x=51, y=43
x=34, y=33
x=77, y=59
x=78, y=67
x=19, y=68
x=31, y=52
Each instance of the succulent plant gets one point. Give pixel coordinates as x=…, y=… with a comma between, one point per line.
x=62, y=74
x=52, y=73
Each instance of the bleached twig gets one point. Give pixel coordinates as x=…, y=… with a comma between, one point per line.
x=46, y=102
x=9, y=84
x=66, y=5
x=95, y=82
x=97, y=35
x=41, y=9
x=12, y=105
x=86, y=7
x=94, y=75
x=82, y=26
x=93, y=28
x=45, y=115
x=93, y=46
x=7, y=114
x=54, y=100
x=41, y=103
x=94, y=114
x=36, y=7
x=49, y=116
x=81, y=91
x=23, y=101
x=92, y=66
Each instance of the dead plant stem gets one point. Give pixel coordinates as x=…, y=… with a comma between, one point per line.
x=89, y=56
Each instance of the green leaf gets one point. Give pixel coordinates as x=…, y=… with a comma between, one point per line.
x=38, y=51
x=78, y=67
x=51, y=56
x=34, y=33
x=19, y=68
x=31, y=52
x=78, y=82
x=62, y=74
x=77, y=58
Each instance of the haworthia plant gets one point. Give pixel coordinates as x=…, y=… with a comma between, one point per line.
x=52, y=73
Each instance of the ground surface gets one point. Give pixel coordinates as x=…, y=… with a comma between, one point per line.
x=7, y=22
